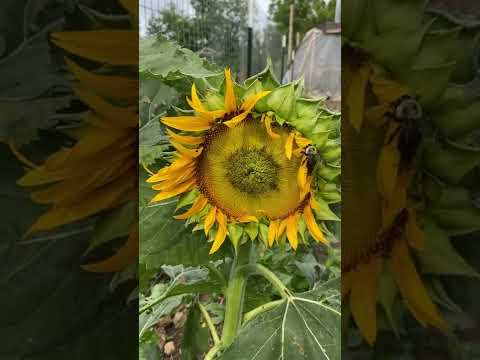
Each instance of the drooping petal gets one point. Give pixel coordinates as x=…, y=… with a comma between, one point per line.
x=230, y=99
x=126, y=255
x=301, y=141
x=387, y=170
x=313, y=226
x=292, y=229
x=386, y=90
x=177, y=191
x=363, y=297
x=197, y=206
x=415, y=235
x=302, y=176
x=289, y=145
x=221, y=233
x=187, y=123
x=116, y=47
x=250, y=102
x=184, y=139
x=272, y=232
x=236, y=120
x=210, y=219
x=412, y=288
x=268, y=127
x=356, y=96
x=193, y=153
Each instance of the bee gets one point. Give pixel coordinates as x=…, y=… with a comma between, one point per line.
x=407, y=112
x=312, y=158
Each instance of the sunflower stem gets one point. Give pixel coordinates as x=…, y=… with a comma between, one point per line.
x=258, y=269
x=235, y=294
x=209, y=322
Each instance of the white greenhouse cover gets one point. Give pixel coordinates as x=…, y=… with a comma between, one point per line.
x=317, y=59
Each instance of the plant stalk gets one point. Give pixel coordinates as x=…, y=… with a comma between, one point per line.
x=234, y=295
x=258, y=269
x=209, y=322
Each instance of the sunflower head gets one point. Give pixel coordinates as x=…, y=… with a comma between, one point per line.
x=241, y=162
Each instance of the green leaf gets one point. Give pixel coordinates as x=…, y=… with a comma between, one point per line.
x=282, y=101
x=195, y=337
x=164, y=240
x=159, y=58
x=303, y=326
x=439, y=256
x=116, y=223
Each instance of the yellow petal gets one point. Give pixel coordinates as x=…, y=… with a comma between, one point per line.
x=250, y=102
x=236, y=120
x=415, y=236
x=289, y=145
x=356, y=96
x=375, y=115
x=116, y=47
x=123, y=116
x=281, y=227
x=230, y=100
x=292, y=224
x=121, y=87
x=221, y=232
x=268, y=127
x=386, y=90
x=198, y=205
x=302, y=176
x=179, y=190
x=210, y=219
x=175, y=169
x=363, y=298
x=96, y=201
x=301, y=141
x=412, y=288
x=387, y=170
x=312, y=225
x=195, y=103
x=187, y=123
x=193, y=153
x=272, y=232
x=247, y=218
x=125, y=256
x=184, y=139
x=174, y=181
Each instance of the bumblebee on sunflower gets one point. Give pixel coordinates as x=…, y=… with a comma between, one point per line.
x=241, y=160
x=393, y=186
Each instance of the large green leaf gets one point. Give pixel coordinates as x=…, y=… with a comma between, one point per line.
x=303, y=326
x=51, y=308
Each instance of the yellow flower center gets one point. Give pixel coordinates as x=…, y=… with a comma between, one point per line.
x=243, y=171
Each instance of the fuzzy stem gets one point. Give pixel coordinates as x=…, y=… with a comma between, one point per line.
x=209, y=322
x=234, y=295
x=213, y=351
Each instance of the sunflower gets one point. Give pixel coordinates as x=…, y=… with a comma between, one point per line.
x=98, y=172
x=380, y=239
x=240, y=166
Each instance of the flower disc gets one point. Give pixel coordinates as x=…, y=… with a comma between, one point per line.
x=243, y=171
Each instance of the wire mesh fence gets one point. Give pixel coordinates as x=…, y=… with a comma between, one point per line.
x=216, y=30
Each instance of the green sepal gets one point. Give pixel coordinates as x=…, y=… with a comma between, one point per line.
x=235, y=233
x=323, y=212
x=263, y=233
x=214, y=101
x=332, y=151
x=282, y=101
x=187, y=199
x=394, y=15
x=448, y=162
x=439, y=256
x=252, y=230
x=328, y=172
x=266, y=77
